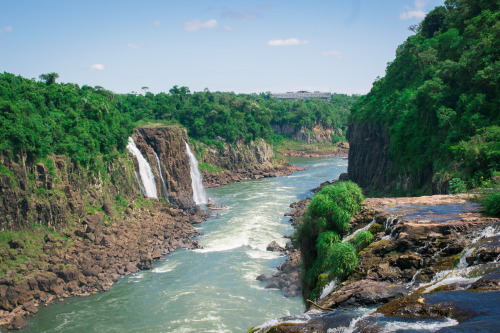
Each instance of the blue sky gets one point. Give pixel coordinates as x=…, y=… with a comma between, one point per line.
x=241, y=46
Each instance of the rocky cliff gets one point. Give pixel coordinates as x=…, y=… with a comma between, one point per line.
x=319, y=133
x=370, y=164
x=240, y=161
x=429, y=254
x=67, y=230
x=168, y=142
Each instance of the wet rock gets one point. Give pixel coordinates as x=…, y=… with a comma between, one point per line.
x=19, y=323
x=263, y=277
x=364, y=292
x=45, y=280
x=489, y=282
x=30, y=307
x=408, y=261
x=275, y=247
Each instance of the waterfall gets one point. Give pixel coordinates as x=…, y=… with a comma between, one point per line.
x=145, y=175
x=163, y=186
x=199, y=195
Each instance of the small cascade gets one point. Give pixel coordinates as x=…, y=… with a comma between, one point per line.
x=145, y=177
x=349, y=237
x=329, y=288
x=163, y=186
x=199, y=195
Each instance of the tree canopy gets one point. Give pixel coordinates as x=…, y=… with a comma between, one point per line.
x=441, y=96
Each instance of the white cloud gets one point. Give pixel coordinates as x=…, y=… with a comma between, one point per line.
x=135, y=46
x=6, y=29
x=332, y=53
x=417, y=12
x=195, y=25
x=157, y=24
x=227, y=27
x=97, y=67
x=287, y=42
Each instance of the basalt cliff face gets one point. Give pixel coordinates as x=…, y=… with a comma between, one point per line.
x=69, y=231
x=319, y=133
x=169, y=144
x=370, y=165
x=240, y=161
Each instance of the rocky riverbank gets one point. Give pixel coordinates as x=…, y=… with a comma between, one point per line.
x=230, y=176
x=428, y=255
x=91, y=258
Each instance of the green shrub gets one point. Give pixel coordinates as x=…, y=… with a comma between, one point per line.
x=457, y=186
x=347, y=195
x=319, y=234
x=343, y=260
x=361, y=240
x=325, y=241
x=491, y=203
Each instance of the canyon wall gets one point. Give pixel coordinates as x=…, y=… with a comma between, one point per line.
x=319, y=134
x=169, y=144
x=370, y=164
x=54, y=191
x=240, y=161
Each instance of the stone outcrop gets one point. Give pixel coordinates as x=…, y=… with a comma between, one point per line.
x=240, y=161
x=82, y=228
x=369, y=157
x=419, y=243
x=370, y=164
x=169, y=145
x=319, y=133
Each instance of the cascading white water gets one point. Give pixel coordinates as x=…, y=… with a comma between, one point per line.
x=163, y=186
x=199, y=195
x=145, y=177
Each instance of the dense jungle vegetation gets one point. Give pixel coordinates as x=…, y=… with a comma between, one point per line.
x=440, y=97
x=90, y=124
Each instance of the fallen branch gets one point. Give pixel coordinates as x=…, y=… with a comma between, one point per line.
x=322, y=308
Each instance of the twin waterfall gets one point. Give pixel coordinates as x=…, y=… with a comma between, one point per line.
x=199, y=194
x=146, y=177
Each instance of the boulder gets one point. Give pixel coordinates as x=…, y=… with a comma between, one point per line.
x=263, y=277
x=275, y=247
x=19, y=323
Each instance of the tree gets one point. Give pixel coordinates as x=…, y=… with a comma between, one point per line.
x=49, y=78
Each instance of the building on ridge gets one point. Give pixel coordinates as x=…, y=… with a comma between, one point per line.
x=303, y=95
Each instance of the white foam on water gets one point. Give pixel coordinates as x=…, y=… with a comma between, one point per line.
x=463, y=257
x=489, y=231
x=267, y=255
x=362, y=314
x=297, y=319
x=166, y=267
x=244, y=230
x=459, y=276
x=398, y=326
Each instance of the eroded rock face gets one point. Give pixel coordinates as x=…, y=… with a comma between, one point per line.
x=169, y=143
x=418, y=244
x=104, y=227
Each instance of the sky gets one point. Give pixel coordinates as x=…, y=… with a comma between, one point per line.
x=223, y=45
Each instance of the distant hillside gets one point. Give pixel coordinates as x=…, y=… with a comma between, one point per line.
x=91, y=124
x=432, y=123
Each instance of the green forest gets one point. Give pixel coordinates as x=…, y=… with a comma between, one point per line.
x=91, y=124
x=440, y=97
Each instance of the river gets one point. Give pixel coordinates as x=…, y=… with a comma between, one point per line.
x=213, y=289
